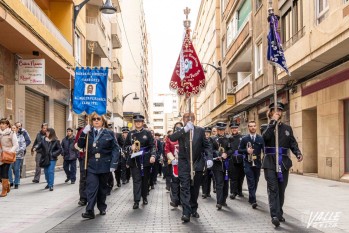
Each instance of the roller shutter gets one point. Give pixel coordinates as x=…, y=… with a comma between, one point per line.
x=60, y=120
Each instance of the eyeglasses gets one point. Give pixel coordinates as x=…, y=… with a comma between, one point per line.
x=96, y=119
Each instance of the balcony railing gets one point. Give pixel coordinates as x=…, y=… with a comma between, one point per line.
x=295, y=38
x=96, y=21
x=42, y=17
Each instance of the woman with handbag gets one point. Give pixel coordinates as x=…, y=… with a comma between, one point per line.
x=51, y=149
x=9, y=145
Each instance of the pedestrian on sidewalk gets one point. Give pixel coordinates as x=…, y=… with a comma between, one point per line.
x=102, y=157
x=26, y=136
x=39, y=137
x=251, y=146
x=16, y=166
x=9, y=143
x=70, y=155
x=200, y=146
x=50, y=150
x=277, y=180
x=171, y=151
x=140, y=143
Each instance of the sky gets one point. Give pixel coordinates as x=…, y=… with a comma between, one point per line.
x=164, y=19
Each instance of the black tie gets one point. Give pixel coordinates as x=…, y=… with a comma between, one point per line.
x=96, y=133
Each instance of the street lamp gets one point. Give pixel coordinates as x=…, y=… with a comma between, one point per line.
x=218, y=69
x=107, y=8
x=134, y=98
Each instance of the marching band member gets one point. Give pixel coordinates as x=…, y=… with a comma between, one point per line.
x=125, y=172
x=251, y=146
x=277, y=180
x=236, y=165
x=140, y=144
x=221, y=155
x=208, y=174
x=200, y=145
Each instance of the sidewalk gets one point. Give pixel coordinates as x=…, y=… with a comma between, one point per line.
x=309, y=196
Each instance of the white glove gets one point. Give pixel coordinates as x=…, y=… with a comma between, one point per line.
x=112, y=169
x=209, y=163
x=86, y=129
x=174, y=162
x=188, y=126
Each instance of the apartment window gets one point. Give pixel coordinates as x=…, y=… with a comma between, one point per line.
x=292, y=24
x=321, y=9
x=231, y=30
x=243, y=13
x=158, y=104
x=77, y=48
x=158, y=112
x=258, y=4
x=258, y=59
x=158, y=120
x=158, y=127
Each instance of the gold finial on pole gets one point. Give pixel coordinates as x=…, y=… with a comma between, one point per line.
x=186, y=22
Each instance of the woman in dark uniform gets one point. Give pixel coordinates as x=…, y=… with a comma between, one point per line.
x=102, y=158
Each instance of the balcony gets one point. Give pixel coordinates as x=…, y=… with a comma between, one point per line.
x=42, y=17
x=117, y=107
x=116, y=36
x=117, y=72
x=95, y=32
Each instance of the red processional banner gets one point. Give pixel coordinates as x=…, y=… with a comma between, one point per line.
x=188, y=77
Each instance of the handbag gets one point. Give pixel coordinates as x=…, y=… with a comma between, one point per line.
x=7, y=156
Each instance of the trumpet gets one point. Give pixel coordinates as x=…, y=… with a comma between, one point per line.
x=221, y=150
x=251, y=157
x=137, y=146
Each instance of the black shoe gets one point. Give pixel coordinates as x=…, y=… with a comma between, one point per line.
x=102, y=212
x=119, y=185
x=204, y=196
x=73, y=182
x=241, y=195
x=275, y=221
x=195, y=215
x=127, y=181
x=46, y=187
x=135, y=205
x=16, y=186
x=282, y=219
x=152, y=187
x=208, y=195
x=82, y=203
x=88, y=214
x=219, y=206
x=145, y=201
x=225, y=204
x=254, y=205
x=66, y=180
x=51, y=188
x=11, y=184
x=123, y=182
x=168, y=188
x=173, y=204
x=232, y=196
x=214, y=190
x=185, y=218
x=35, y=181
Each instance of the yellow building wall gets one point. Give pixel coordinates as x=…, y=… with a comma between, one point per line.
x=61, y=15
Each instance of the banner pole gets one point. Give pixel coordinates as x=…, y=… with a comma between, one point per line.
x=192, y=172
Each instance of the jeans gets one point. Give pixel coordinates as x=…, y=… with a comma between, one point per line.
x=16, y=166
x=50, y=173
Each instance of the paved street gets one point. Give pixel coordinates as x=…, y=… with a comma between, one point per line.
x=33, y=209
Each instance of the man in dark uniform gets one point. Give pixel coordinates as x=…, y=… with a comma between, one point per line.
x=125, y=172
x=251, y=146
x=221, y=154
x=140, y=145
x=208, y=174
x=155, y=166
x=236, y=165
x=200, y=145
x=277, y=179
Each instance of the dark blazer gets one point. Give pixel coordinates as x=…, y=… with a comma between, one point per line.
x=201, y=148
x=286, y=140
x=106, y=146
x=257, y=145
x=217, y=142
x=46, y=148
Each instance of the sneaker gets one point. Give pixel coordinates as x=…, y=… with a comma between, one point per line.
x=46, y=187
x=16, y=186
x=35, y=181
x=51, y=188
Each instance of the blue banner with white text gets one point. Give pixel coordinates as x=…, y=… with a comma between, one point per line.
x=90, y=90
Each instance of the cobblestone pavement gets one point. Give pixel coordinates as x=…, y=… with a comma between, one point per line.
x=159, y=216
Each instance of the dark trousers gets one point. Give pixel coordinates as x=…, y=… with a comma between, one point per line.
x=125, y=172
x=252, y=177
x=96, y=191
x=4, y=168
x=153, y=173
x=222, y=187
x=189, y=193
x=160, y=171
x=276, y=191
x=69, y=167
x=140, y=183
x=82, y=181
x=118, y=174
x=175, y=188
x=167, y=173
x=237, y=175
x=206, y=182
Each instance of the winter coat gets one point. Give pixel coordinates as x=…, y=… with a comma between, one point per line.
x=68, y=150
x=49, y=148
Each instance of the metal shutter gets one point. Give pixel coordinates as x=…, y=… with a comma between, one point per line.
x=34, y=117
x=59, y=120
